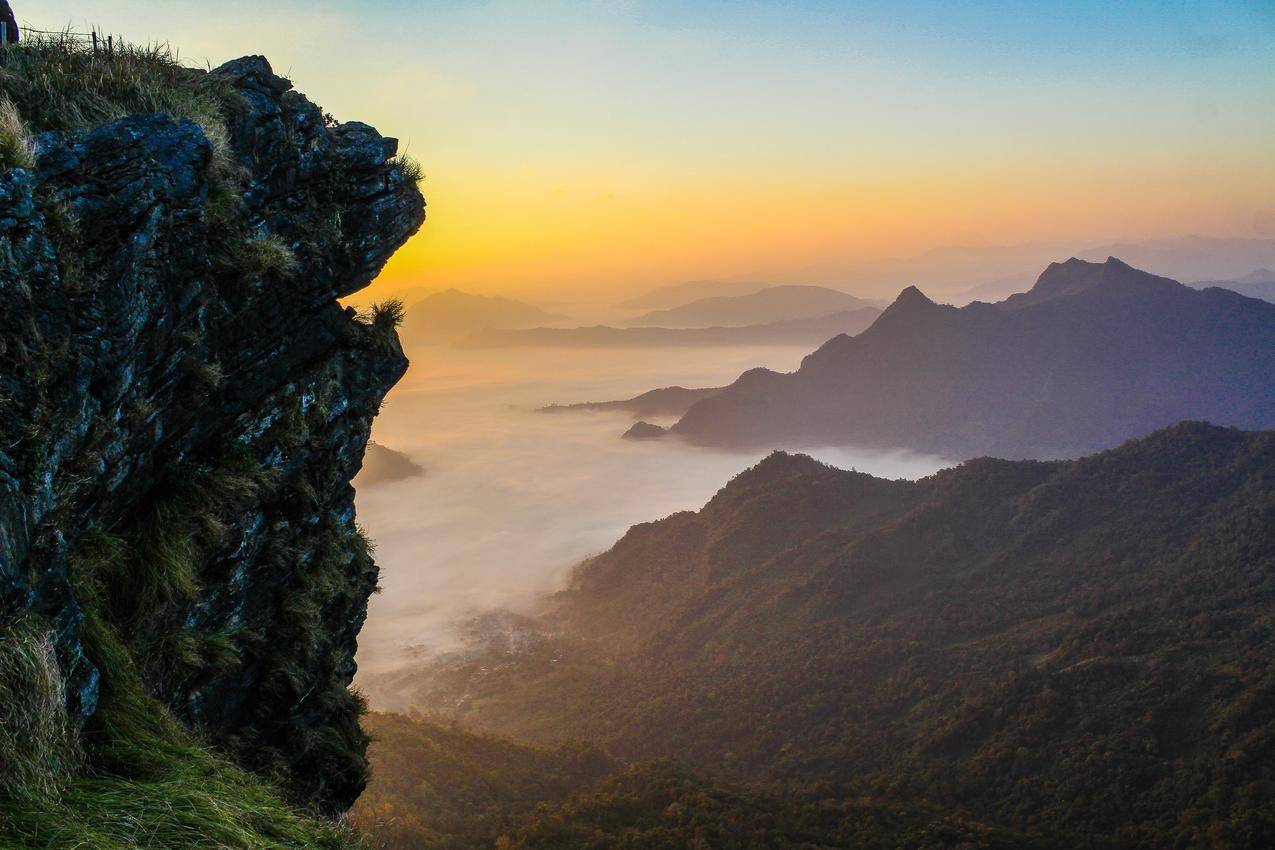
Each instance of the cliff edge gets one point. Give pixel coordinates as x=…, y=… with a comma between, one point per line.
x=183, y=403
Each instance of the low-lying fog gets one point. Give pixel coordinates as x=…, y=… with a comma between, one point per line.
x=512, y=499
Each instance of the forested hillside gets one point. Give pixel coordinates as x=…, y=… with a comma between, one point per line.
x=440, y=788
x=1081, y=649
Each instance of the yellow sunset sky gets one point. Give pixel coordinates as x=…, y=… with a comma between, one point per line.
x=605, y=147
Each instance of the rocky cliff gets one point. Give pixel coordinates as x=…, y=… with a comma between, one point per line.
x=183, y=403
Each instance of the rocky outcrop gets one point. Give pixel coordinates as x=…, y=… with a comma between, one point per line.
x=183, y=403
x=643, y=431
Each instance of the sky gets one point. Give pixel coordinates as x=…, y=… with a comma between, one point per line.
x=610, y=146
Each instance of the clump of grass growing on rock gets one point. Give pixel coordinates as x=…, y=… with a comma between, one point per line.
x=37, y=741
x=409, y=168
x=16, y=148
x=268, y=256
x=388, y=315
x=208, y=376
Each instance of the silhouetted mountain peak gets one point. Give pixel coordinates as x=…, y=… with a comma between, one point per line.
x=911, y=296
x=1074, y=276
x=910, y=302
x=1067, y=278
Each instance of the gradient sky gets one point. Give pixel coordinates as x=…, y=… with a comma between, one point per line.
x=611, y=145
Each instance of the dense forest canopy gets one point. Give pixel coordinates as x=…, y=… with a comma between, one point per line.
x=1078, y=649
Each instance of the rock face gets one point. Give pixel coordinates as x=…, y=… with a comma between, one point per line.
x=179, y=386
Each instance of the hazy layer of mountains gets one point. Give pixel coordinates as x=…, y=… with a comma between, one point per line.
x=667, y=401
x=383, y=465
x=962, y=274
x=1093, y=354
x=1077, y=649
x=1256, y=284
x=765, y=306
x=677, y=294
x=446, y=315
x=791, y=332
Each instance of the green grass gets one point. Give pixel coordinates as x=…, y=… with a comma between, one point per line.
x=16, y=148
x=37, y=741
x=57, y=82
x=149, y=783
x=143, y=781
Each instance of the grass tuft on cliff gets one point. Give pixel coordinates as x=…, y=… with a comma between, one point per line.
x=16, y=148
x=411, y=168
x=37, y=742
x=388, y=315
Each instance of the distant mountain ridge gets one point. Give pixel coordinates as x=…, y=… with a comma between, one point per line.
x=790, y=332
x=452, y=313
x=960, y=273
x=675, y=294
x=666, y=401
x=772, y=304
x=1259, y=283
x=1094, y=354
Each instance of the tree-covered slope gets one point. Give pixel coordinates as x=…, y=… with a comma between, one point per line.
x=441, y=788
x=1082, y=649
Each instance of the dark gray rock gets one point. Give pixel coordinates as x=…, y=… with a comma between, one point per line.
x=140, y=354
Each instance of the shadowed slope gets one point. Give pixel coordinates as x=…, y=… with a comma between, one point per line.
x=1094, y=354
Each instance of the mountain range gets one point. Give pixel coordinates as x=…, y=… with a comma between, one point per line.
x=1256, y=284
x=666, y=401
x=1076, y=649
x=451, y=313
x=1093, y=354
x=677, y=294
x=788, y=332
x=769, y=305
x=962, y=273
